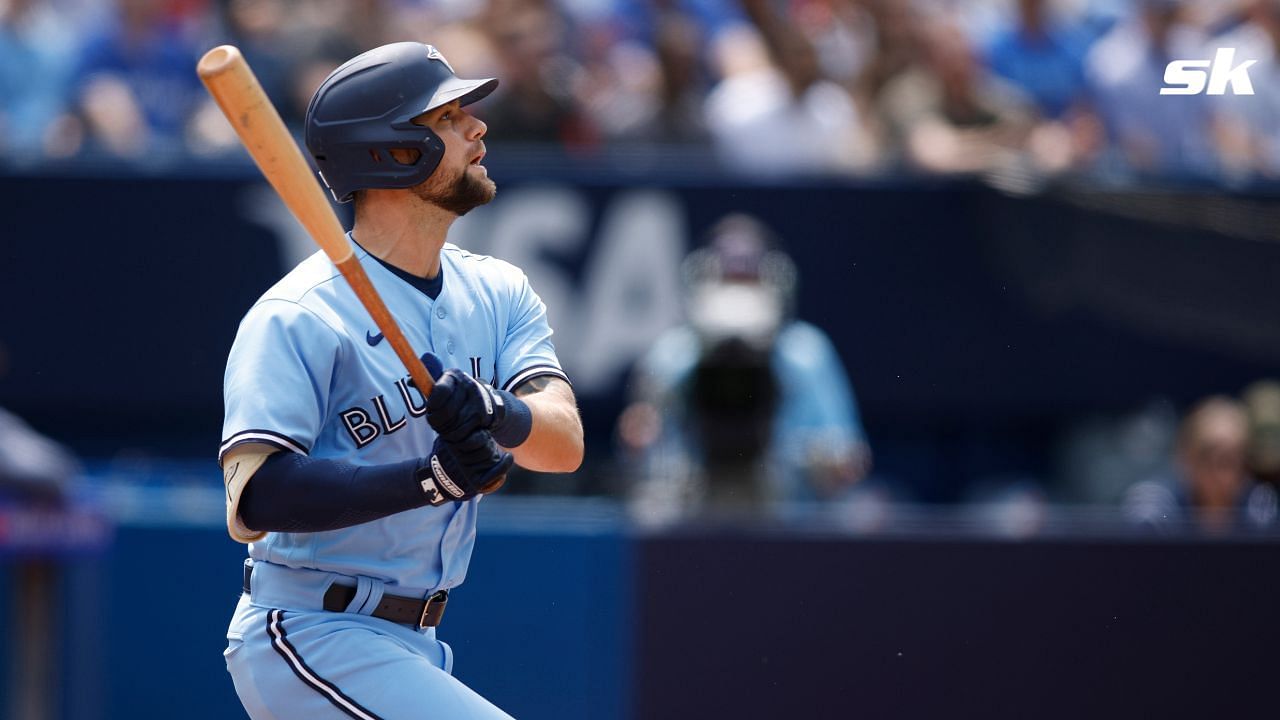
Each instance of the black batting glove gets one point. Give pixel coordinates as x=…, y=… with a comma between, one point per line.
x=461, y=469
x=460, y=404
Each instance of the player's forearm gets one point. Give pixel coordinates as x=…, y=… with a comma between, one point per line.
x=555, y=442
x=295, y=493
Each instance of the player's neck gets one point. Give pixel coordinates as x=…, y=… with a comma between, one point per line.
x=408, y=235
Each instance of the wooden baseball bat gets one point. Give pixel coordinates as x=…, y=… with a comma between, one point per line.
x=237, y=92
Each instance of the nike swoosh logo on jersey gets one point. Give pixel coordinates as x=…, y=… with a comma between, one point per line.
x=372, y=339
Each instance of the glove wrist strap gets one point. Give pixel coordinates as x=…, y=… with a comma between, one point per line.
x=516, y=423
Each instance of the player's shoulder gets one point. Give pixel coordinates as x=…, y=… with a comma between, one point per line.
x=296, y=296
x=484, y=267
x=314, y=272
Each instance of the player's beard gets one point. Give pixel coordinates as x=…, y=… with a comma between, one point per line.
x=460, y=196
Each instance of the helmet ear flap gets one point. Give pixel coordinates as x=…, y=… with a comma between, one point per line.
x=407, y=157
x=369, y=161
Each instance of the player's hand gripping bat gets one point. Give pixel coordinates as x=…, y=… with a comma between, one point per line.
x=241, y=98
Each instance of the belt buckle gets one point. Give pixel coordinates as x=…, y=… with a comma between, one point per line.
x=426, y=609
x=438, y=596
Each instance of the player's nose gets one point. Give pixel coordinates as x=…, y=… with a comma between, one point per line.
x=477, y=129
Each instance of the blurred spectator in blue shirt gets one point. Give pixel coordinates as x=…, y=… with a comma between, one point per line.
x=1042, y=58
x=37, y=47
x=648, y=90
x=743, y=405
x=1249, y=131
x=138, y=85
x=260, y=29
x=1151, y=134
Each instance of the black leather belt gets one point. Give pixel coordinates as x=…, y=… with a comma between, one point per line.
x=404, y=610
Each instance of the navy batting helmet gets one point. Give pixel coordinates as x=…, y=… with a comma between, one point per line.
x=366, y=107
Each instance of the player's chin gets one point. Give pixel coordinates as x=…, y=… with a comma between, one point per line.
x=480, y=173
x=471, y=191
x=486, y=188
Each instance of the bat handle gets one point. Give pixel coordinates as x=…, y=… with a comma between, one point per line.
x=494, y=484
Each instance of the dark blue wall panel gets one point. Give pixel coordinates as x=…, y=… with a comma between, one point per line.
x=838, y=628
x=542, y=626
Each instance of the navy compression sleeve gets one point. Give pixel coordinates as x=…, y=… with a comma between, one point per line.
x=295, y=493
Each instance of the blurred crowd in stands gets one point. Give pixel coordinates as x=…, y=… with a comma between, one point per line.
x=1031, y=88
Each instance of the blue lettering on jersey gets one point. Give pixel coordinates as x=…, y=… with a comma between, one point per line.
x=357, y=423
x=364, y=427
x=475, y=372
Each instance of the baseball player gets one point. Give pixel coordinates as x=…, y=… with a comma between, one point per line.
x=357, y=495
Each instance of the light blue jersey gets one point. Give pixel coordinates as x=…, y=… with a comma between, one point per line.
x=310, y=373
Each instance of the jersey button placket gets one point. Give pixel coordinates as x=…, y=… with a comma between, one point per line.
x=441, y=313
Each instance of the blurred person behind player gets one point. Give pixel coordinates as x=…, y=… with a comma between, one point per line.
x=945, y=113
x=1248, y=126
x=1042, y=54
x=136, y=90
x=647, y=87
x=37, y=52
x=743, y=405
x=771, y=80
x=534, y=43
x=1211, y=485
x=358, y=496
x=1149, y=134
x=1262, y=404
